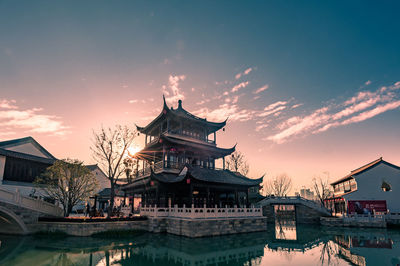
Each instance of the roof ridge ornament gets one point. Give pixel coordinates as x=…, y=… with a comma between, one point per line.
x=165, y=103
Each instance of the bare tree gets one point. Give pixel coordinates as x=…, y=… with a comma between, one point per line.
x=109, y=149
x=321, y=189
x=238, y=163
x=278, y=186
x=69, y=182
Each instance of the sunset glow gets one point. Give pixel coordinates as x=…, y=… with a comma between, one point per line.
x=306, y=88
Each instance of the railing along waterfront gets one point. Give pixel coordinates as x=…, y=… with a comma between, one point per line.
x=38, y=205
x=200, y=213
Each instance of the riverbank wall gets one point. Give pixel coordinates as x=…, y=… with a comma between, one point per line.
x=182, y=227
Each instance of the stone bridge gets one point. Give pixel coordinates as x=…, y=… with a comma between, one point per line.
x=306, y=211
x=19, y=213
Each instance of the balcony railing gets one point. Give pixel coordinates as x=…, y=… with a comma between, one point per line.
x=201, y=213
x=158, y=167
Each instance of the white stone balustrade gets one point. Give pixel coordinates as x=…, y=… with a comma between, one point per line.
x=38, y=205
x=200, y=213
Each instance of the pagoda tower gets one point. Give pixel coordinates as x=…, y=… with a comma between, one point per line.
x=177, y=164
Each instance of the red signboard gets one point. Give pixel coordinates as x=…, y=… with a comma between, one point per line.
x=366, y=206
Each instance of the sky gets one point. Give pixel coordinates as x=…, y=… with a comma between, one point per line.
x=311, y=88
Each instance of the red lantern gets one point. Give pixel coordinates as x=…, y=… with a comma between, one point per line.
x=151, y=183
x=188, y=181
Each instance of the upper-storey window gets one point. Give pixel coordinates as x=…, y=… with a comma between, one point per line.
x=386, y=186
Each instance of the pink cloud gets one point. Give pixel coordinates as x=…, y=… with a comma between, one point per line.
x=263, y=88
x=244, y=73
x=364, y=105
x=240, y=86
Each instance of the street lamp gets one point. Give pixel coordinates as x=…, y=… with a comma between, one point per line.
x=66, y=211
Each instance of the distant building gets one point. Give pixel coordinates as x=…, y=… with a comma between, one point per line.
x=307, y=194
x=373, y=187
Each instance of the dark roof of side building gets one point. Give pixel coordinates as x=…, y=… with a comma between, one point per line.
x=25, y=156
x=13, y=142
x=364, y=168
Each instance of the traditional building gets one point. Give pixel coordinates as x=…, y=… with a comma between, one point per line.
x=21, y=161
x=369, y=188
x=177, y=164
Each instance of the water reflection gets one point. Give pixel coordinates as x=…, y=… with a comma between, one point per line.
x=283, y=244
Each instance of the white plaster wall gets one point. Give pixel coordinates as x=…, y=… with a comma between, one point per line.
x=369, y=186
x=102, y=180
x=27, y=148
x=2, y=167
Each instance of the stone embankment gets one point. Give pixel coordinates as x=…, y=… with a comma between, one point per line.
x=378, y=221
x=182, y=227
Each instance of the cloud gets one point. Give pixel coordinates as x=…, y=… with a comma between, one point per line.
x=362, y=106
x=31, y=120
x=296, y=105
x=258, y=128
x=273, y=111
x=224, y=111
x=263, y=88
x=7, y=104
x=133, y=101
x=273, y=105
x=244, y=73
x=173, y=91
x=240, y=86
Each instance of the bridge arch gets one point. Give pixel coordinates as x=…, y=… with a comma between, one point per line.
x=11, y=223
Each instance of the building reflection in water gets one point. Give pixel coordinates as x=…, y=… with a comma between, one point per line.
x=285, y=229
x=283, y=244
x=369, y=246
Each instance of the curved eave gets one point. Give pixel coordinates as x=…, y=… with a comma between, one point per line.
x=221, y=151
x=164, y=111
x=213, y=126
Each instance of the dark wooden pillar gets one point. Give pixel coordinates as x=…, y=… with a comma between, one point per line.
x=236, y=198
x=163, y=156
x=223, y=162
x=208, y=197
x=191, y=194
x=247, y=198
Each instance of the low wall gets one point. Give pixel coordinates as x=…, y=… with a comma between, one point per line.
x=182, y=227
x=209, y=227
x=346, y=222
x=87, y=229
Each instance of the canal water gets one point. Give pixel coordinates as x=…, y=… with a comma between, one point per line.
x=283, y=244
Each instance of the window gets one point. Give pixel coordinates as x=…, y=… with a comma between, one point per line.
x=386, y=186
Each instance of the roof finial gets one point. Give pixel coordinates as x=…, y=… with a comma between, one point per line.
x=165, y=103
x=180, y=104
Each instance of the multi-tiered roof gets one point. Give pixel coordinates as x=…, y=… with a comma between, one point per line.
x=180, y=146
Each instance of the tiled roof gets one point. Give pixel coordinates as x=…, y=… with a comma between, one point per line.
x=26, y=156
x=14, y=142
x=363, y=169
x=208, y=175
x=180, y=112
x=216, y=151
